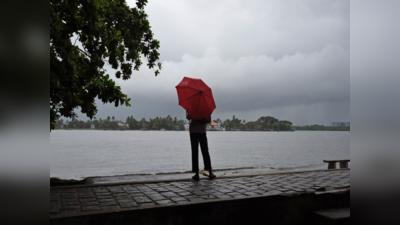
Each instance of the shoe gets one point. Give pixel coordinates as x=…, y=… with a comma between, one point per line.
x=212, y=176
x=196, y=177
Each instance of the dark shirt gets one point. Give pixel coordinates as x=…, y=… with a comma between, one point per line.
x=197, y=125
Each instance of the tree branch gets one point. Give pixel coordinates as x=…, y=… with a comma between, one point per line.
x=84, y=52
x=76, y=39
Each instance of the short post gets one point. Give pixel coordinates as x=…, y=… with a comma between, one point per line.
x=331, y=165
x=344, y=164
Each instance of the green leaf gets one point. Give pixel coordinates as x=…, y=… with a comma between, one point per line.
x=112, y=32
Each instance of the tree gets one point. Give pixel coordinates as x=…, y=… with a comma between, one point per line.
x=287, y=126
x=59, y=123
x=236, y=123
x=114, y=125
x=181, y=125
x=107, y=31
x=88, y=124
x=82, y=124
x=74, y=123
x=113, y=118
x=108, y=117
x=275, y=125
x=154, y=126
x=96, y=123
x=105, y=124
x=133, y=123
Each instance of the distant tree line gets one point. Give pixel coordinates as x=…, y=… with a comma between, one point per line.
x=131, y=123
x=321, y=127
x=263, y=123
x=157, y=123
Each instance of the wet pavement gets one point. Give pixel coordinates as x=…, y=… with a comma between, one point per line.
x=100, y=198
x=177, y=176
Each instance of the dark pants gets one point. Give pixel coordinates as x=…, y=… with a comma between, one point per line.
x=195, y=138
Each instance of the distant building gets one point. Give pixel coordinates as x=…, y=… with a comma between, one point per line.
x=186, y=126
x=121, y=125
x=215, y=125
x=348, y=124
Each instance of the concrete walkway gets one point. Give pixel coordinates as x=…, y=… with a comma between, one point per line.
x=72, y=201
x=176, y=176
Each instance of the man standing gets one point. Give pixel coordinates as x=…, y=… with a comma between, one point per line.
x=197, y=130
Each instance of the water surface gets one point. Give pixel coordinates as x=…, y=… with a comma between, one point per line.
x=84, y=153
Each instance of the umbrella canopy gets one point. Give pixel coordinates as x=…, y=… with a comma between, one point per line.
x=196, y=97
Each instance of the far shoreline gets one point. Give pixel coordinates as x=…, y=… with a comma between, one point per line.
x=94, y=129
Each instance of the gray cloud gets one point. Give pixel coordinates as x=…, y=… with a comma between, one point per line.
x=288, y=60
x=241, y=28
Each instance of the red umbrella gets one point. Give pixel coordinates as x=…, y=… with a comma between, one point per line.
x=196, y=97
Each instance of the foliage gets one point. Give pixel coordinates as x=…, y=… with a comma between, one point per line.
x=96, y=123
x=74, y=123
x=233, y=124
x=261, y=124
x=107, y=124
x=133, y=123
x=59, y=123
x=219, y=121
x=108, y=32
x=321, y=127
x=169, y=123
x=181, y=125
x=264, y=119
x=166, y=123
x=157, y=123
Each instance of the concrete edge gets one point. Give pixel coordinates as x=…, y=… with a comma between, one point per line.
x=336, y=191
x=54, y=181
x=69, y=215
x=190, y=179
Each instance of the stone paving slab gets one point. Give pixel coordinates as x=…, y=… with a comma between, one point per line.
x=101, y=198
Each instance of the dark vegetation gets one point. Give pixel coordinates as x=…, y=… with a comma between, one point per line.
x=321, y=127
x=158, y=123
x=263, y=123
x=84, y=36
x=169, y=123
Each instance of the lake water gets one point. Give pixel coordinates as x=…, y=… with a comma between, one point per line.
x=84, y=153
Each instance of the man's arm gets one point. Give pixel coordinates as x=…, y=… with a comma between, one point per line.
x=188, y=116
x=197, y=120
x=203, y=121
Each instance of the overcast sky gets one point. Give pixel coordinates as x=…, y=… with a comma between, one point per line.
x=287, y=59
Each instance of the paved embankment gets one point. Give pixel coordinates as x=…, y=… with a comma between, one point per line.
x=239, y=172
x=88, y=201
